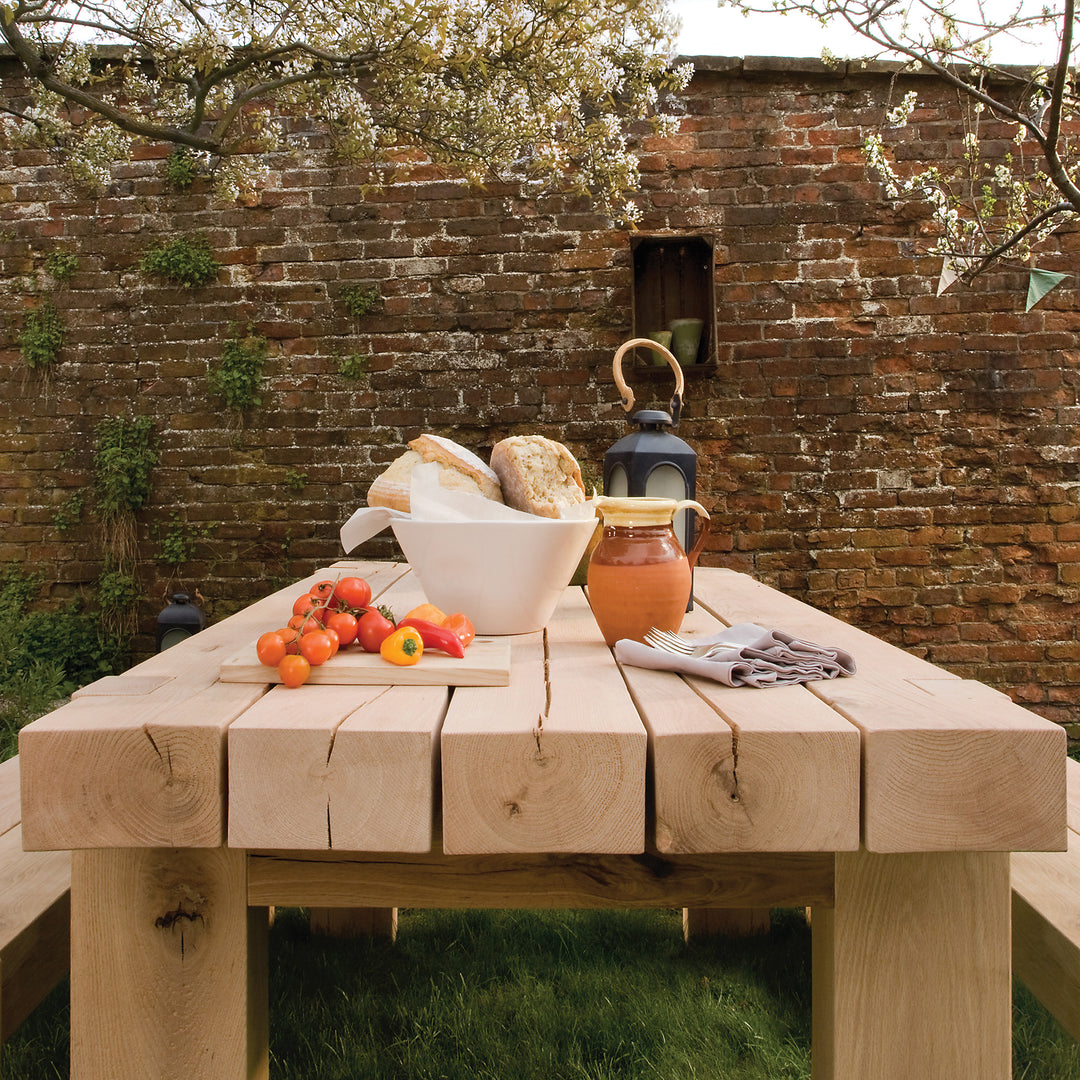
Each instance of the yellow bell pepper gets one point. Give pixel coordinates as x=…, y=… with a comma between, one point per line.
x=403, y=647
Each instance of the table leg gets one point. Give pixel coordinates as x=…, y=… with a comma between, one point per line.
x=912, y=969
x=168, y=967
x=354, y=922
x=725, y=922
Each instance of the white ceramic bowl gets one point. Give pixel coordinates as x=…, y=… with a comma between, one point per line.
x=507, y=576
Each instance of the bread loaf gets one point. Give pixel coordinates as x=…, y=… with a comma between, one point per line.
x=537, y=474
x=459, y=470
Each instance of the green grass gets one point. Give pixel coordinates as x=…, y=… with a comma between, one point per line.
x=567, y=994
x=559, y=995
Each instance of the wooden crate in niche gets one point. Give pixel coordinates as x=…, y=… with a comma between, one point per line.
x=673, y=279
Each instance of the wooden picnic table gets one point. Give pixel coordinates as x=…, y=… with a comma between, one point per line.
x=887, y=801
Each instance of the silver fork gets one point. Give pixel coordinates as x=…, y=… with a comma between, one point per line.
x=669, y=642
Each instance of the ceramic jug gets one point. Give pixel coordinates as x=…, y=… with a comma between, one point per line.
x=639, y=576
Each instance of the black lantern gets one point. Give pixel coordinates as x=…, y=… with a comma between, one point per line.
x=179, y=619
x=652, y=461
x=655, y=463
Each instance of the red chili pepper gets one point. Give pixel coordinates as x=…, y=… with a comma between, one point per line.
x=435, y=637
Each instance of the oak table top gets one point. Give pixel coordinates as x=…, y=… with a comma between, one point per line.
x=888, y=801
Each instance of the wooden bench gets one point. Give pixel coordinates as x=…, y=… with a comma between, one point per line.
x=35, y=912
x=1046, y=919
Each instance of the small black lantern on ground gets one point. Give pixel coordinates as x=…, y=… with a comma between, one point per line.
x=179, y=619
x=653, y=461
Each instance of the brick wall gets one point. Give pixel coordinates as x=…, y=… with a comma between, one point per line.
x=905, y=461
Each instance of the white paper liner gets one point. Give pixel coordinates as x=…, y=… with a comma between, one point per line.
x=430, y=501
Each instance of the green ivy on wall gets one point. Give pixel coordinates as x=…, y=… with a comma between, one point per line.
x=124, y=457
x=360, y=299
x=61, y=265
x=353, y=366
x=186, y=261
x=177, y=546
x=67, y=514
x=238, y=376
x=118, y=594
x=42, y=335
x=180, y=168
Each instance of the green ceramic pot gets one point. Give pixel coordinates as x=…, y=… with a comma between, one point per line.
x=686, y=339
x=661, y=337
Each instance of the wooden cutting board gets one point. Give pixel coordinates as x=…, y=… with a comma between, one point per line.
x=486, y=663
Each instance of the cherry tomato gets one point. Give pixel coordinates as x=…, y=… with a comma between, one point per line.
x=316, y=648
x=323, y=590
x=352, y=592
x=298, y=622
x=372, y=629
x=460, y=625
x=344, y=624
x=270, y=649
x=291, y=636
x=294, y=671
x=308, y=605
x=335, y=641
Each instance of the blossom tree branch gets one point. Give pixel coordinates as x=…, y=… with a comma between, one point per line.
x=550, y=91
x=984, y=210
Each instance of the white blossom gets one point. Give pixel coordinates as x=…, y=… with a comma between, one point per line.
x=485, y=87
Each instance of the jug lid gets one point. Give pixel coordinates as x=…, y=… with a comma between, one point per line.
x=643, y=510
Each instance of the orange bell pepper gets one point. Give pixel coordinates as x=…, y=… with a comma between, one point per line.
x=460, y=625
x=428, y=612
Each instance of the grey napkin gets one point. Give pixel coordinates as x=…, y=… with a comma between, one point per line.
x=747, y=655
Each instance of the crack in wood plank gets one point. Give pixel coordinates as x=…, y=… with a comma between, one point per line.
x=539, y=729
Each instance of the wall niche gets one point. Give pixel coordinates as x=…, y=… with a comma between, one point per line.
x=674, y=281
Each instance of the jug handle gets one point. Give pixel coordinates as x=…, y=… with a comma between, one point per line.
x=627, y=394
x=703, y=525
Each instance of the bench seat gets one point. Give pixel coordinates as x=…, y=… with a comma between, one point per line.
x=1046, y=919
x=35, y=912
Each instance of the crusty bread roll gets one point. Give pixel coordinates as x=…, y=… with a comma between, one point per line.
x=537, y=475
x=455, y=457
x=459, y=470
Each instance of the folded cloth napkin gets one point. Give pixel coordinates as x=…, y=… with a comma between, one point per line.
x=745, y=655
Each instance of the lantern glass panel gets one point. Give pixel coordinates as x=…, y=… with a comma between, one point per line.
x=668, y=482
x=173, y=637
x=616, y=485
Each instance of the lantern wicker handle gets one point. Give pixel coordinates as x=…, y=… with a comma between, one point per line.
x=628, y=395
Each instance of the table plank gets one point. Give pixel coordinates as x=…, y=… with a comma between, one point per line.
x=116, y=772
x=10, y=810
x=553, y=762
x=742, y=769
x=734, y=597
x=35, y=917
x=951, y=765
x=947, y=764
x=149, y=769
x=348, y=767
x=1046, y=929
x=437, y=880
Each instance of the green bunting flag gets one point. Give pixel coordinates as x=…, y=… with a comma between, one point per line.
x=1040, y=283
